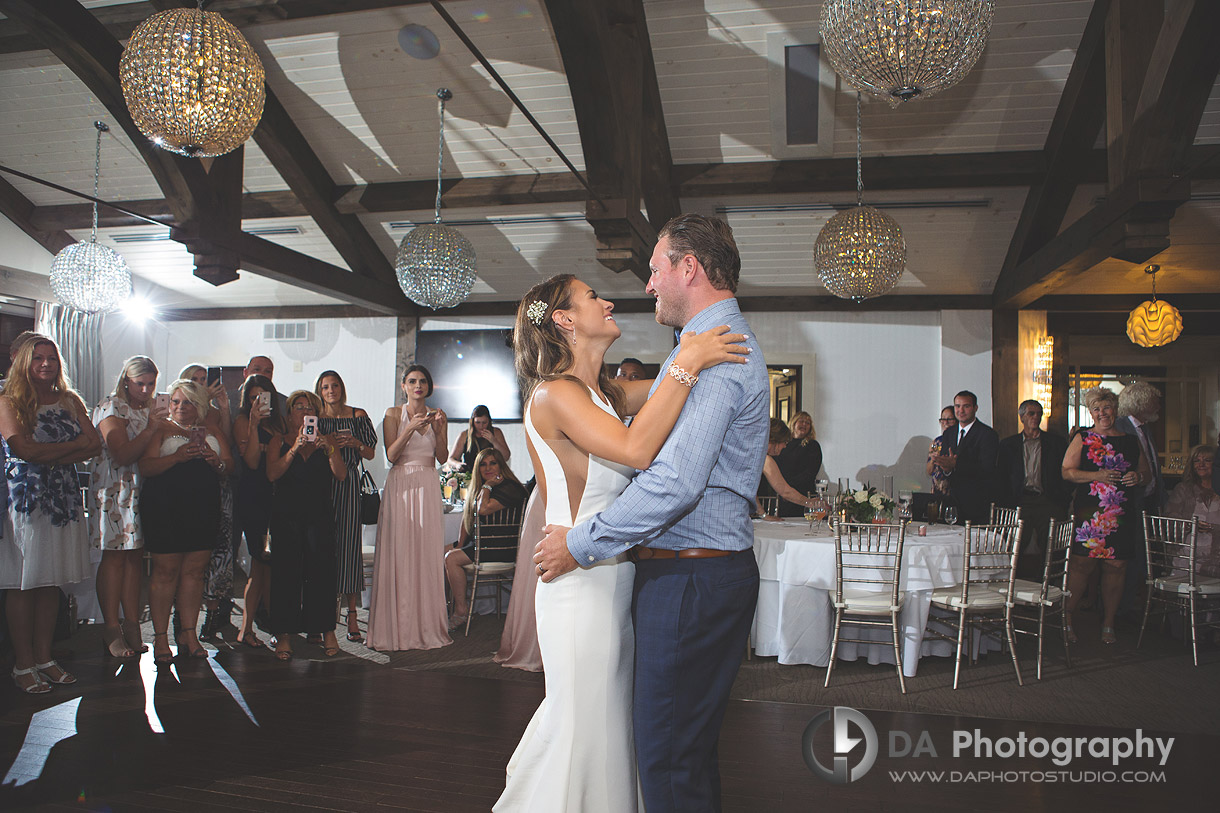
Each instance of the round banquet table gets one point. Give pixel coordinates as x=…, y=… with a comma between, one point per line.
x=794, y=620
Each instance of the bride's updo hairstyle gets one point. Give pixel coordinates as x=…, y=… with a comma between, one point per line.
x=542, y=351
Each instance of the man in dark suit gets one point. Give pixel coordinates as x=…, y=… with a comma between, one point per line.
x=1139, y=404
x=970, y=460
x=1030, y=469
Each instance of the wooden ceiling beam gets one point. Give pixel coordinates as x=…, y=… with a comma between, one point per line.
x=18, y=208
x=1124, y=303
x=1132, y=224
x=1073, y=130
x=704, y=181
x=271, y=260
x=278, y=136
x=608, y=61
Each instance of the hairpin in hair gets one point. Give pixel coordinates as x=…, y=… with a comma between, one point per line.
x=536, y=311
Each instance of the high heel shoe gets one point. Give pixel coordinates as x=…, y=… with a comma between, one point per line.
x=1108, y=635
x=131, y=634
x=353, y=628
x=199, y=653
x=64, y=678
x=162, y=658
x=39, y=686
x=211, y=624
x=114, y=645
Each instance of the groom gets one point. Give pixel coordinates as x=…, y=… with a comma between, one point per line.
x=688, y=516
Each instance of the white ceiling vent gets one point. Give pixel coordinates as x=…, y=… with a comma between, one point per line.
x=288, y=331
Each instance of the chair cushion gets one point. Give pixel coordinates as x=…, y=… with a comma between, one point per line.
x=490, y=567
x=1207, y=585
x=1028, y=592
x=980, y=599
x=867, y=602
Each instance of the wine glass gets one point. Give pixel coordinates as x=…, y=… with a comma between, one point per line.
x=950, y=514
x=818, y=510
x=904, y=505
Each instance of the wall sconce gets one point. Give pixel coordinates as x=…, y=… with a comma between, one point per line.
x=1044, y=355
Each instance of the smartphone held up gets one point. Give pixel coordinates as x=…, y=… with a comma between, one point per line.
x=309, y=428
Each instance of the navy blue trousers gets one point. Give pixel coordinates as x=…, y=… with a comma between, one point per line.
x=692, y=619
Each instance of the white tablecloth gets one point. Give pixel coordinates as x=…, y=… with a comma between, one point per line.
x=794, y=620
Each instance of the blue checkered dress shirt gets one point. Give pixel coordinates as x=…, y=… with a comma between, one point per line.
x=699, y=490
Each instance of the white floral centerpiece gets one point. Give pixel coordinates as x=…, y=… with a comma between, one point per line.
x=866, y=505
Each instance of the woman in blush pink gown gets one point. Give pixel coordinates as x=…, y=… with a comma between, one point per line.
x=519, y=642
x=408, y=598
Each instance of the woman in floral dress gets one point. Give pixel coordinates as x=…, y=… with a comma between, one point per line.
x=46, y=430
x=126, y=425
x=1105, y=464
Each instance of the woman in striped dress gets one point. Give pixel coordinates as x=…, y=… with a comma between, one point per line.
x=357, y=439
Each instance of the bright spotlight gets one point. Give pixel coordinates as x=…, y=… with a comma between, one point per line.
x=138, y=309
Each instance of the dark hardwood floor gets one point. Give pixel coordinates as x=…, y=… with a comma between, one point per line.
x=245, y=732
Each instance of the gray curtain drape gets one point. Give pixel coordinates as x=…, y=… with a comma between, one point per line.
x=79, y=336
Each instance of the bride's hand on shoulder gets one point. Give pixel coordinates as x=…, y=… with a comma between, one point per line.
x=711, y=347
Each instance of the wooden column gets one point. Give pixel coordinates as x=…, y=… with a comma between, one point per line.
x=1005, y=367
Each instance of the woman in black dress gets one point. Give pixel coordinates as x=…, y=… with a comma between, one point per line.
x=1107, y=468
x=303, y=468
x=258, y=418
x=477, y=436
x=357, y=440
x=493, y=488
x=800, y=462
x=180, y=511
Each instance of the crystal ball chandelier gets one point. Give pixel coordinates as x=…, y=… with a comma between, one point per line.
x=860, y=253
x=898, y=50
x=84, y=275
x=192, y=82
x=1154, y=323
x=436, y=265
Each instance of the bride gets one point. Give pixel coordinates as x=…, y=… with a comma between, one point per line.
x=578, y=752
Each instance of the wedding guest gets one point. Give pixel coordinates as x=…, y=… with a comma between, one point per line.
x=630, y=369
x=1031, y=479
x=773, y=482
x=970, y=459
x=258, y=419
x=357, y=440
x=180, y=508
x=1108, y=470
x=800, y=461
x=408, y=596
x=476, y=437
x=493, y=488
x=303, y=468
x=218, y=579
x=126, y=420
x=1139, y=406
x=46, y=430
x=1196, y=497
x=519, y=641
x=940, y=476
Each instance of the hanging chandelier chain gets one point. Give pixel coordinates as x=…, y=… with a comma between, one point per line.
x=442, y=96
x=97, y=172
x=1154, y=286
x=859, y=173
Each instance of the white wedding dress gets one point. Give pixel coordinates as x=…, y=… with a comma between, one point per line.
x=578, y=752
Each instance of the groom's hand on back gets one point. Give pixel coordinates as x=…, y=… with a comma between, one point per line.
x=551, y=554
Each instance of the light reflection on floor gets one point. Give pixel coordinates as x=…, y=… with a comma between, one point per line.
x=148, y=675
x=230, y=685
x=47, y=729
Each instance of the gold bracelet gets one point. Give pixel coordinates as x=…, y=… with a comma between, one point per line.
x=681, y=376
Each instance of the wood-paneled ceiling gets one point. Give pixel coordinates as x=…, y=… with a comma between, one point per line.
x=666, y=106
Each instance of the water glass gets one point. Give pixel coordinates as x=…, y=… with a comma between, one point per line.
x=951, y=514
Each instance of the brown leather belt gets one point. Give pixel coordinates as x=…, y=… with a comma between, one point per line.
x=639, y=553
